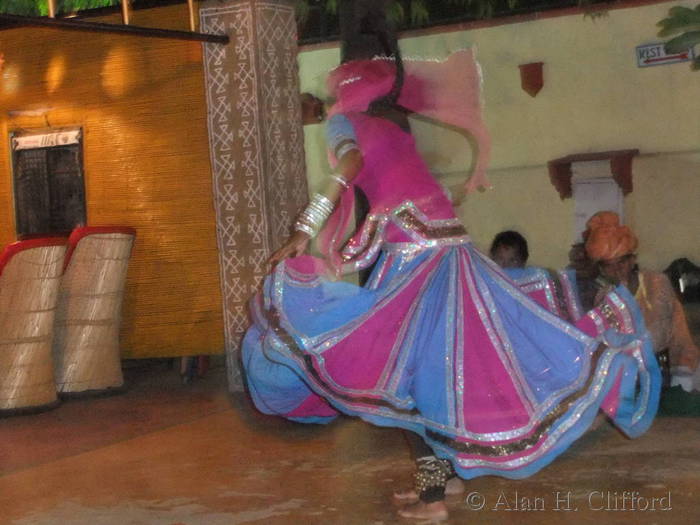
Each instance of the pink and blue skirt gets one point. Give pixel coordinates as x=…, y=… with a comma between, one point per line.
x=442, y=343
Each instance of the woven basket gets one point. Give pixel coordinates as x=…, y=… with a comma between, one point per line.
x=86, y=339
x=29, y=283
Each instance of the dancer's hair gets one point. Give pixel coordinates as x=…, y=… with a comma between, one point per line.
x=365, y=34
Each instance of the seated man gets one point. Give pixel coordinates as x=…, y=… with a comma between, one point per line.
x=582, y=273
x=612, y=246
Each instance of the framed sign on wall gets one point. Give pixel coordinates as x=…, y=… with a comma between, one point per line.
x=49, y=187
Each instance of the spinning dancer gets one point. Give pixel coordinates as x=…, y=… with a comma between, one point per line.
x=439, y=341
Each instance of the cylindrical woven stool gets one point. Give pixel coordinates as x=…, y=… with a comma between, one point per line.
x=88, y=317
x=30, y=275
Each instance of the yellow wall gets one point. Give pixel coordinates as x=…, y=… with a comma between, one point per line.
x=141, y=105
x=595, y=98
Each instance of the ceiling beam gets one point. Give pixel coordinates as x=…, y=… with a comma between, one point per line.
x=98, y=27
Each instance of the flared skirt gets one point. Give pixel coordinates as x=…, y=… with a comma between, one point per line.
x=442, y=343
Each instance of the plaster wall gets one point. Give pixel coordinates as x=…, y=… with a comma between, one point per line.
x=595, y=98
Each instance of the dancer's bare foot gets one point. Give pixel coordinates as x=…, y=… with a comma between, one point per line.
x=454, y=486
x=404, y=497
x=436, y=511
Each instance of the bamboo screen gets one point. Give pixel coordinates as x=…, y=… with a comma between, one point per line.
x=141, y=105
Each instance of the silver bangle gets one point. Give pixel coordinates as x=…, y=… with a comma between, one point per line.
x=322, y=204
x=345, y=148
x=302, y=227
x=313, y=217
x=340, y=180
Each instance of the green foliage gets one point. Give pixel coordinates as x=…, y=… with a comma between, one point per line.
x=419, y=12
x=396, y=12
x=683, y=42
x=302, y=10
x=684, y=22
x=483, y=8
x=41, y=7
x=23, y=7
x=332, y=6
x=411, y=12
x=680, y=19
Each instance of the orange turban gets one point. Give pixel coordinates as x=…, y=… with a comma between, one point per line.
x=602, y=218
x=607, y=239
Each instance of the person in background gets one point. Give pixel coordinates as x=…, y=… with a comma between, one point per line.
x=612, y=246
x=583, y=274
x=509, y=250
x=550, y=289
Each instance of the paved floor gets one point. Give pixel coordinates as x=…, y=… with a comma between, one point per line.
x=165, y=453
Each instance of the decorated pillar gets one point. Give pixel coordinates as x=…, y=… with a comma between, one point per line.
x=256, y=144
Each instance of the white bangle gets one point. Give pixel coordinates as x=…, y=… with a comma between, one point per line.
x=313, y=217
x=340, y=180
x=345, y=148
x=303, y=227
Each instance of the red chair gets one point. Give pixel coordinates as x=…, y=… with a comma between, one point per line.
x=30, y=276
x=88, y=317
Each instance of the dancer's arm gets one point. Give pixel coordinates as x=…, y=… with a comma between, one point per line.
x=350, y=163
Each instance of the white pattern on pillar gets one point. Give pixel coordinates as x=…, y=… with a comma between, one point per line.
x=256, y=145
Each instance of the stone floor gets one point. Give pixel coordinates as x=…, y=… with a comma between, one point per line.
x=165, y=453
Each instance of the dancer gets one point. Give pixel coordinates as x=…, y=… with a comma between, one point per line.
x=439, y=342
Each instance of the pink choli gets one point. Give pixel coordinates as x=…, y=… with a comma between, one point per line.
x=404, y=197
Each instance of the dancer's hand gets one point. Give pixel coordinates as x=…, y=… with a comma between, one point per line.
x=295, y=246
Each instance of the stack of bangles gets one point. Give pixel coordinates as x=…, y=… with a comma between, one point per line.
x=311, y=220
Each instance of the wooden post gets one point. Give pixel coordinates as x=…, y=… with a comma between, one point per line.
x=190, y=8
x=52, y=8
x=126, y=11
